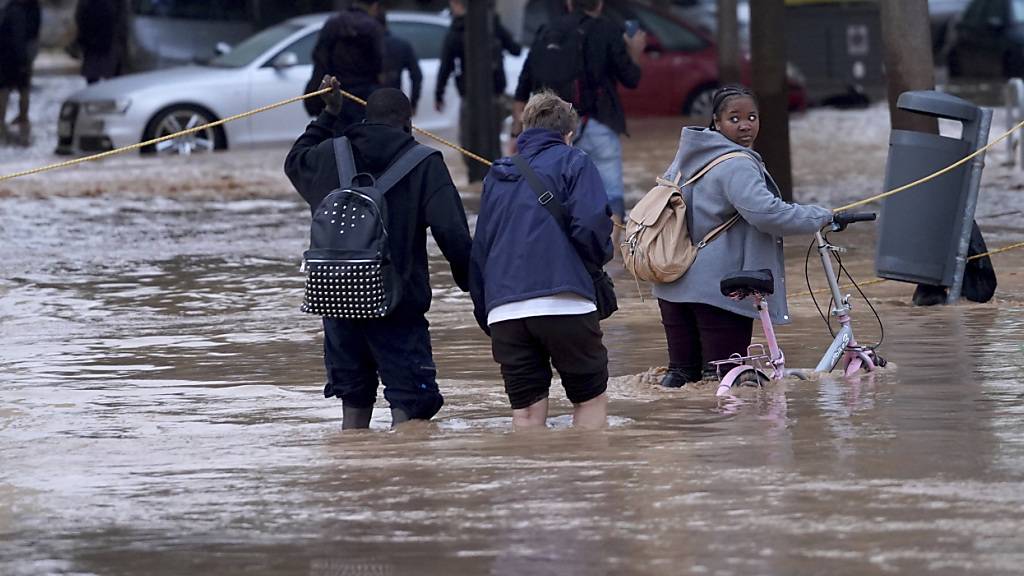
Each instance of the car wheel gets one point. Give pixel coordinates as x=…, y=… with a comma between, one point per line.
x=183, y=117
x=700, y=102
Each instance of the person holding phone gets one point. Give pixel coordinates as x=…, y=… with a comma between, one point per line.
x=610, y=56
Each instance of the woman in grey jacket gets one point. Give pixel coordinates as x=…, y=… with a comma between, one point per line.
x=701, y=324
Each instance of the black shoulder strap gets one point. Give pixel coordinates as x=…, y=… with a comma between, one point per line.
x=400, y=168
x=548, y=200
x=345, y=161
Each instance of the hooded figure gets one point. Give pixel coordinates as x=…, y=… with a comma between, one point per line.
x=102, y=38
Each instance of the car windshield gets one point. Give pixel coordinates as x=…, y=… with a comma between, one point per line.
x=254, y=46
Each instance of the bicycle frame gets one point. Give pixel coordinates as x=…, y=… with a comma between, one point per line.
x=772, y=366
x=844, y=346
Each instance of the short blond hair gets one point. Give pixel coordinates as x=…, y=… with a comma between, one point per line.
x=546, y=110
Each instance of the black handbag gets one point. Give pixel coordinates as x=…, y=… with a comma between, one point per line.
x=604, y=288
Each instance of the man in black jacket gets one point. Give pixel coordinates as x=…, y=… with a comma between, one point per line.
x=350, y=48
x=610, y=58
x=396, y=347
x=453, y=60
x=399, y=56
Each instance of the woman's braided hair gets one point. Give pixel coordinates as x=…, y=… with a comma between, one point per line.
x=725, y=93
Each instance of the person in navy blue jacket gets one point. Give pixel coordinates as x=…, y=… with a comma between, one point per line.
x=531, y=290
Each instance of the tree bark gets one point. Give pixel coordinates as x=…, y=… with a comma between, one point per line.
x=909, y=65
x=728, y=43
x=483, y=135
x=768, y=58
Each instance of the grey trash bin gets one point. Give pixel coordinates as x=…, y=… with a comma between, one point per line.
x=921, y=229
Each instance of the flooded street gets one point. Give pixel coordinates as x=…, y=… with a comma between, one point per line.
x=161, y=408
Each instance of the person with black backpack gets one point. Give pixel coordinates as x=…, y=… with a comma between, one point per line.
x=583, y=57
x=373, y=191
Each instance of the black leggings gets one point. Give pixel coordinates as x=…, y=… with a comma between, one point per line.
x=700, y=333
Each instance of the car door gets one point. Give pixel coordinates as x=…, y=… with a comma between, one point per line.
x=269, y=84
x=676, y=62
x=976, y=52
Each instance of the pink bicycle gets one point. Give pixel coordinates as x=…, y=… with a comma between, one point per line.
x=760, y=366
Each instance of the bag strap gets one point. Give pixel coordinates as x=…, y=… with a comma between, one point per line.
x=400, y=168
x=549, y=201
x=345, y=161
x=735, y=217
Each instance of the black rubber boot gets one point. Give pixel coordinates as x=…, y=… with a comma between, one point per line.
x=355, y=418
x=678, y=377
x=398, y=416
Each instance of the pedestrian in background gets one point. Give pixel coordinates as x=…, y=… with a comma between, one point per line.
x=529, y=279
x=453, y=61
x=19, y=43
x=102, y=38
x=395, y=348
x=609, y=58
x=399, y=57
x=350, y=48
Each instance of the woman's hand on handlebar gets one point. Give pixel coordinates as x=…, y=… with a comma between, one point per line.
x=842, y=219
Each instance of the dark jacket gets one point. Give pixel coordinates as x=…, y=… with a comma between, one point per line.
x=102, y=37
x=453, y=57
x=399, y=56
x=17, y=32
x=350, y=47
x=425, y=198
x=606, y=65
x=519, y=250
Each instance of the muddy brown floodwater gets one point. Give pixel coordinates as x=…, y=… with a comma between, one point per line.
x=161, y=412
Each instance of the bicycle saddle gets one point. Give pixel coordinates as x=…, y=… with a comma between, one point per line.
x=747, y=282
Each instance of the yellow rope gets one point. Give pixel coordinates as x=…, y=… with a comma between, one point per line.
x=214, y=124
x=920, y=181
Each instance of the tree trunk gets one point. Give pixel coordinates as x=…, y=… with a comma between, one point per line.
x=768, y=58
x=483, y=132
x=728, y=43
x=907, y=38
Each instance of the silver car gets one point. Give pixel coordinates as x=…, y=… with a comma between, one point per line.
x=271, y=66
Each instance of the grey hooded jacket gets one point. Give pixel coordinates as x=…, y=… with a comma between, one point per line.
x=754, y=242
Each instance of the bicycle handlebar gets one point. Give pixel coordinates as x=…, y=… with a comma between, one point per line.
x=843, y=219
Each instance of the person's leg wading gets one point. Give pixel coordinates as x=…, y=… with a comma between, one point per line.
x=722, y=334
x=526, y=369
x=401, y=348
x=684, y=344
x=579, y=355
x=604, y=147
x=351, y=371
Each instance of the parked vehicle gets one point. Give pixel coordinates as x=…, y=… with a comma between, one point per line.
x=271, y=66
x=167, y=33
x=943, y=15
x=680, y=63
x=989, y=40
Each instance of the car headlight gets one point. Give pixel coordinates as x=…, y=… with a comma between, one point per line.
x=103, y=107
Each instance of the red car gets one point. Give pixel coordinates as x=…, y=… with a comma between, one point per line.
x=680, y=64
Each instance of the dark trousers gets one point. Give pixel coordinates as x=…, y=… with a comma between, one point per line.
x=527, y=347
x=700, y=333
x=395, y=348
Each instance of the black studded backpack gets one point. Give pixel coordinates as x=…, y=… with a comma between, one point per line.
x=348, y=266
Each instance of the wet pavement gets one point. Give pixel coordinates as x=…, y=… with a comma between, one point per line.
x=161, y=413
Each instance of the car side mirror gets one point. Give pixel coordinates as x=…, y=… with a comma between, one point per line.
x=285, y=60
x=222, y=48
